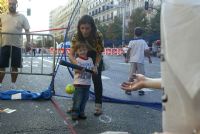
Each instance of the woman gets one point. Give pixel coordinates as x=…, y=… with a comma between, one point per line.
x=87, y=32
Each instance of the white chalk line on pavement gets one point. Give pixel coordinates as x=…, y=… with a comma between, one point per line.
x=123, y=63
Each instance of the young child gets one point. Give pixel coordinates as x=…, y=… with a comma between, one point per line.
x=137, y=49
x=82, y=82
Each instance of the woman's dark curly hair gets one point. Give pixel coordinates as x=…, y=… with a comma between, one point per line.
x=86, y=19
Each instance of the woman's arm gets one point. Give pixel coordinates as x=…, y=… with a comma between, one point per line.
x=100, y=48
x=72, y=56
x=152, y=83
x=141, y=82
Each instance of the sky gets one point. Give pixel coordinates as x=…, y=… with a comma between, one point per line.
x=40, y=9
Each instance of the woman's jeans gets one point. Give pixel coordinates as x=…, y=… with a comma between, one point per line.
x=97, y=81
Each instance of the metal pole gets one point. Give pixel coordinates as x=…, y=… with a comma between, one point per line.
x=123, y=25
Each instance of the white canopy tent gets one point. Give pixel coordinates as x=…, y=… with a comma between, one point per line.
x=180, y=30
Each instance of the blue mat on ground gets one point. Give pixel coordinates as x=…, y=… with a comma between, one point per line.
x=146, y=101
x=150, y=99
x=21, y=94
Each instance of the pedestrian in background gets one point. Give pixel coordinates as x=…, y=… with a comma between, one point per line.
x=137, y=49
x=12, y=22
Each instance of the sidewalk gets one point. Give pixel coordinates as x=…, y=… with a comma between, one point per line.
x=40, y=117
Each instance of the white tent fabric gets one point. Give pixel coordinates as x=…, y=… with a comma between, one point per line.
x=180, y=33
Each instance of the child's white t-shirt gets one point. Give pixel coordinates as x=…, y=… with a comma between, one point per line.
x=84, y=78
x=137, y=50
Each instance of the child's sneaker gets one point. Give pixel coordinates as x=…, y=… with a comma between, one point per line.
x=75, y=117
x=82, y=116
x=128, y=92
x=141, y=92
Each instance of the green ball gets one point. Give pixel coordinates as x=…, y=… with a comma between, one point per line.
x=69, y=89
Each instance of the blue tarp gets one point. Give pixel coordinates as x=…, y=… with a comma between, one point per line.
x=20, y=94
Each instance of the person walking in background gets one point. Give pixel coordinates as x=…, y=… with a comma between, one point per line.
x=87, y=32
x=137, y=49
x=154, y=49
x=12, y=22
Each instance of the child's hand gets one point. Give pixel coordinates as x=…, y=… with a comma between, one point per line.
x=79, y=71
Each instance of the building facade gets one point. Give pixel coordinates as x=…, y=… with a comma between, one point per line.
x=103, y=11
x=60, y=17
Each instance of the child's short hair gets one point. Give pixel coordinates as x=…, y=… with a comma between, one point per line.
x=80, y=45
x=138, y=31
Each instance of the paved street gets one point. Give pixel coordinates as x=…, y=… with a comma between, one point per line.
x=42, y=117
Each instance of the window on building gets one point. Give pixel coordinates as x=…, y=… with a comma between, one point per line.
x=103, y=18
x=107, y=7
x=96, y=11
x=103, y=8
x=108, y=17
x=111, y=15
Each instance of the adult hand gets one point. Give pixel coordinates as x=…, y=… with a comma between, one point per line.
x=136, y=84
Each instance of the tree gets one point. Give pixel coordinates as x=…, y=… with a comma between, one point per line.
x=3, y=6
x=102, y=28
x=114, y=31
x=155, y=22
x=137, y=19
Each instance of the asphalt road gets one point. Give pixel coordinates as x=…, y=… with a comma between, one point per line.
x=42, y=117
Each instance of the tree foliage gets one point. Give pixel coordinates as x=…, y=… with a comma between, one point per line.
x=101, y=28
x=137, y=19
x=113, y=31
x=3, y=6
x=155, y=22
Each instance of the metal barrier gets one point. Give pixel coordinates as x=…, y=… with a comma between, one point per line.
x=39, y=51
